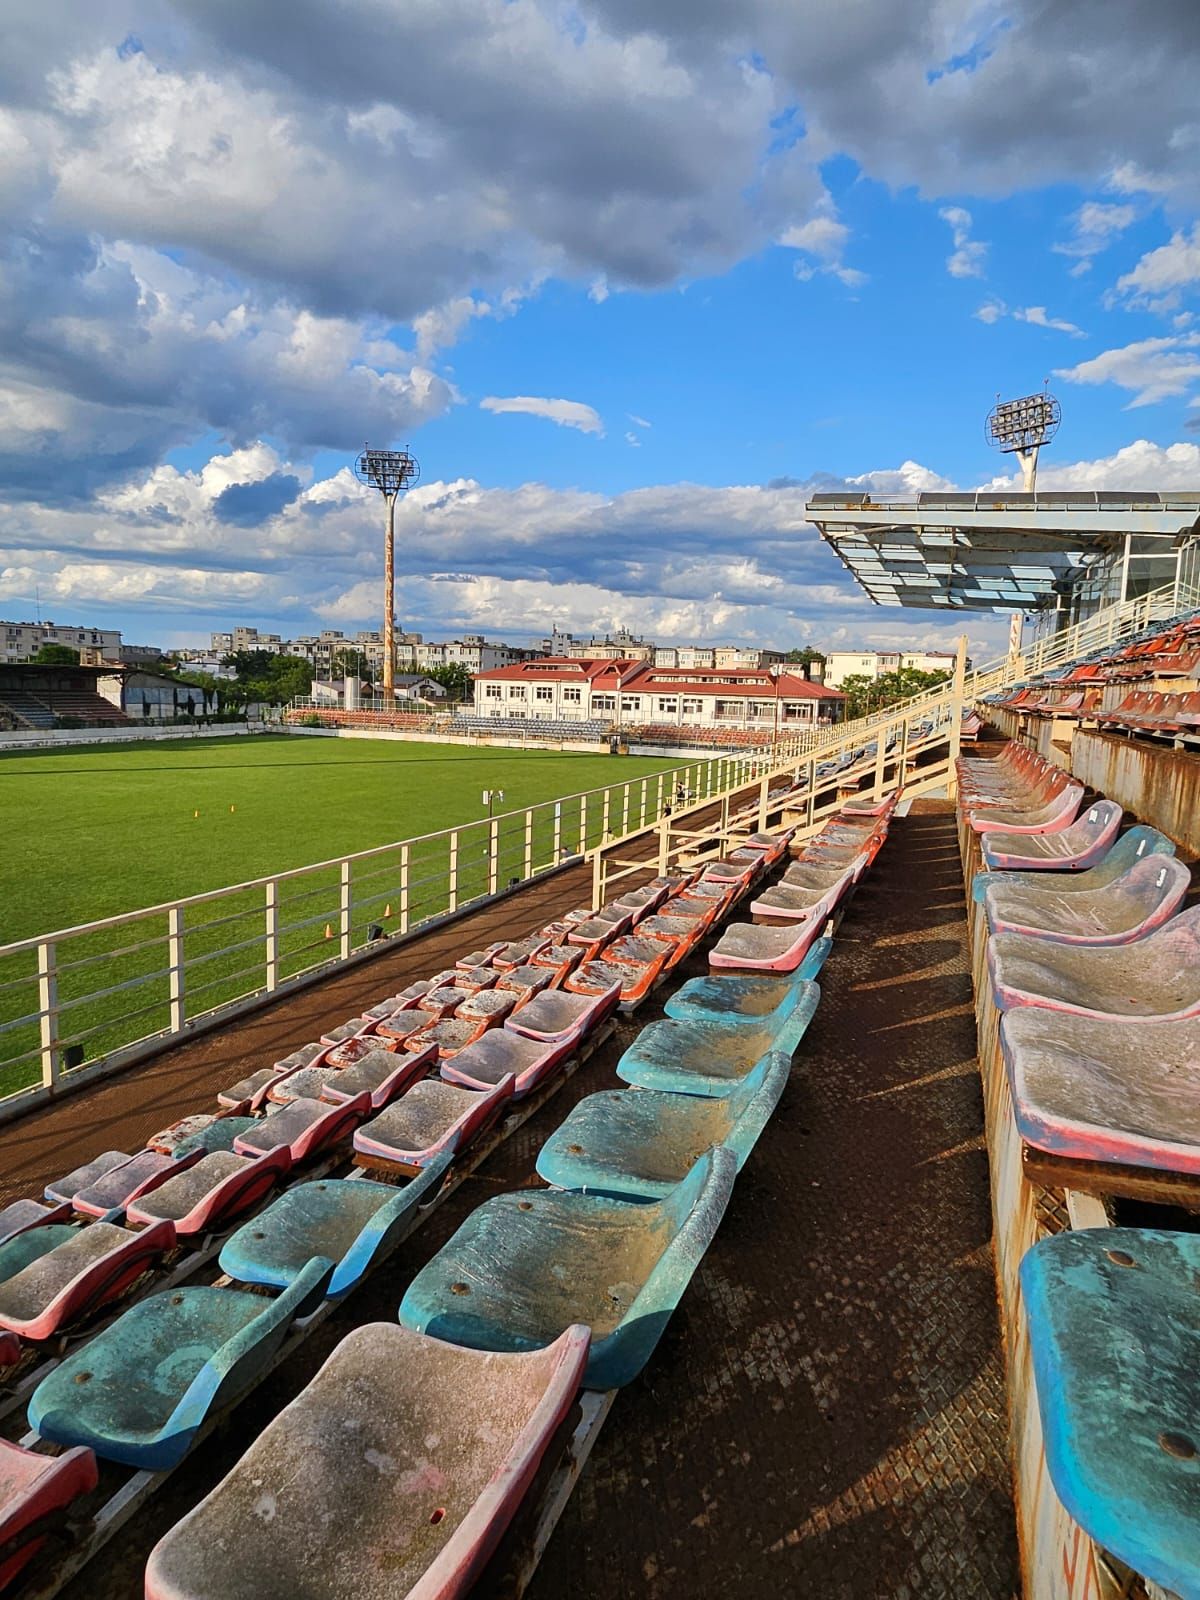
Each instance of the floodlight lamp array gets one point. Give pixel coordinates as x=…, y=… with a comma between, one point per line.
x=389, y=471
x=1023, y=424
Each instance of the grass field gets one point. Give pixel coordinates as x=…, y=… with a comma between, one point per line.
x=93, y=832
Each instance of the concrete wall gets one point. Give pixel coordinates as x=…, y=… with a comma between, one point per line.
x=57, y=738
x=1159, y=785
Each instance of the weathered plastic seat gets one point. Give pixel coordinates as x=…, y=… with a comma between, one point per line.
x=638, y=1144
x=712, y=1057
x=442, y=1001
x=489, y=1005
x=746, y=947
x=1134, y=905
x=1056, y=814
x=141, y=1390
x=117, y=1188
x=519, y=952
x=1132, y=846
x=348, y=1221
x=252, y=1089
x=525, y=981
x=1093, y=1090
x=306, y=1083
x=36, y=1493
x=815, y=876
x=1071, y=849
x=305, y=1127
x=209, y=1195
x=450, y=1441
x=349, y=1029
x=480, y=958
x=219, y=1134
x=1114, y=1329
x=51, y=1276
x=434, y=1116
x=24, y=1214
x=732, y=998
x=502, y=1053
x=167, y=1140
x=446, y=1036
x=382, y=1076
x=1158, y=976
x=63, y=1190
x=794, y=902
x=400, y=1024
x=524, y=1266
x=556, y=1015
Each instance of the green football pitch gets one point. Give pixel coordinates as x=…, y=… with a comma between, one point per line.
x=95, y=832
x=90, y=832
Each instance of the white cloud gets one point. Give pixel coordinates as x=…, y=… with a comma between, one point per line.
x=1153, y=369
x=631, y=438
x=638, y=422
x=822, y=241
x=1161, y=273
x=1096, y=224
x=567, y=413
x=969, y=255
x=993, y=311
x=1139, y=465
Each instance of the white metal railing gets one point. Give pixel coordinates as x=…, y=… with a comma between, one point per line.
x=89, y=997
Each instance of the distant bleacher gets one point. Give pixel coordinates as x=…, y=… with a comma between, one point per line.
x=692, y=734
x=529, y=727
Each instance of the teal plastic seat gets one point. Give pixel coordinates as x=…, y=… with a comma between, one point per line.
x=140, y=1391
x=1115, y=1336
x=525, y=1266
x=711, y=1057
x=746, y=998
x=345, y=1220
x=639, y=1143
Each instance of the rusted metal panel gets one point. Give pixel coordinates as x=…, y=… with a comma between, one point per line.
x=1160, y=785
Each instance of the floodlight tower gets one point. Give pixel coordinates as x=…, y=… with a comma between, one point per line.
x=1022, y=427
x=391, y=472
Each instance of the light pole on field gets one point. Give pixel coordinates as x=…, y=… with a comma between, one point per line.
x=391, y=472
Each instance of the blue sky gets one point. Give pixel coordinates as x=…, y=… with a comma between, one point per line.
x=630, y=278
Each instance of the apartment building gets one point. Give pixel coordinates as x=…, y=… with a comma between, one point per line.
x=21, y=641
x=843, y=664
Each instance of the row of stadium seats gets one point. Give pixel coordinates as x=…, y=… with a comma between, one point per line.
x=1093, y=968
x=539, y=1292
x=142, y=1389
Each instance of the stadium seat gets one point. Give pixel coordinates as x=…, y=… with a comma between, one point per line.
x=115, y=1189
x=806, y=890
x=1092, y=1090
x=1072, y=849
x=207, y=1197
x=1158, y=976
x=36, y=1495
x=747, y=948
x=305, y=1128
x=524, y=1266
x=713, y=1058
x=347, y=1221
x=434, y=1116
x=141, y=1390
x=750, y=1000
x=429, y=1521
x=1130, y=907
x=24, y=1214
x=502, y=1053
x=1112, y=1316
x=1112, y=864
x=554, y=1016
x=51, y=1276
x=639, y=1145
x=62, y=1191
x=1051, y=817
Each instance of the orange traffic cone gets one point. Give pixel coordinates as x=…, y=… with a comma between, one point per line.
x=195, y=814
x=387, y=910
x=329, y=930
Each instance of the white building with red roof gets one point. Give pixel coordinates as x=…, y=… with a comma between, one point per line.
x=637, y=694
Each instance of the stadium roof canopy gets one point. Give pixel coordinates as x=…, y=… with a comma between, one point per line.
x=985, y=551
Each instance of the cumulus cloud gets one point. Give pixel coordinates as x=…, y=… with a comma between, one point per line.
x=1160, y=274
x=567, y=413
x=969, y=255
x=1153, y=369
x=1094, y=227
x=821, y=241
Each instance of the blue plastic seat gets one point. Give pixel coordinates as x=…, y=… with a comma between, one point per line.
x=711, y=1057
x=639, y=1143
x=525, y=1266
x=140, y=1391
x=347, y=1221
x=1114, y=1328
x=750, y=1000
